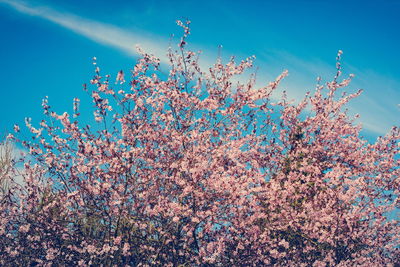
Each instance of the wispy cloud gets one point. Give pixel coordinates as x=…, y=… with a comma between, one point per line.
x=99, y=32
x=102, y=33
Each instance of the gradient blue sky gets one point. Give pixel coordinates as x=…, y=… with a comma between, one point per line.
x=46, y=47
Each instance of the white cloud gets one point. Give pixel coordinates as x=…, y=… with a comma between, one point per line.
x=102, y=33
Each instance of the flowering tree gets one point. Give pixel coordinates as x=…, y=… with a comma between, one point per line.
x=191, y=168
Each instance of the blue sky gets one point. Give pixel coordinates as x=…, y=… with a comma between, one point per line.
x=46, y=47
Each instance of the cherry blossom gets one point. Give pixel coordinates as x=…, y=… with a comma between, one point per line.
x=200, y=167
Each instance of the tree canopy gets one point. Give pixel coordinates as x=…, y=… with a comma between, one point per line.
x=195, y=167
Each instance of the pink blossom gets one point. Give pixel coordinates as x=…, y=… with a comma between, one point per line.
x=194, y=166
x=24, y=228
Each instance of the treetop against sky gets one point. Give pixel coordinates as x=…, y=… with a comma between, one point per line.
x=195, y=166
x=47, y=46
x=170, y=156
